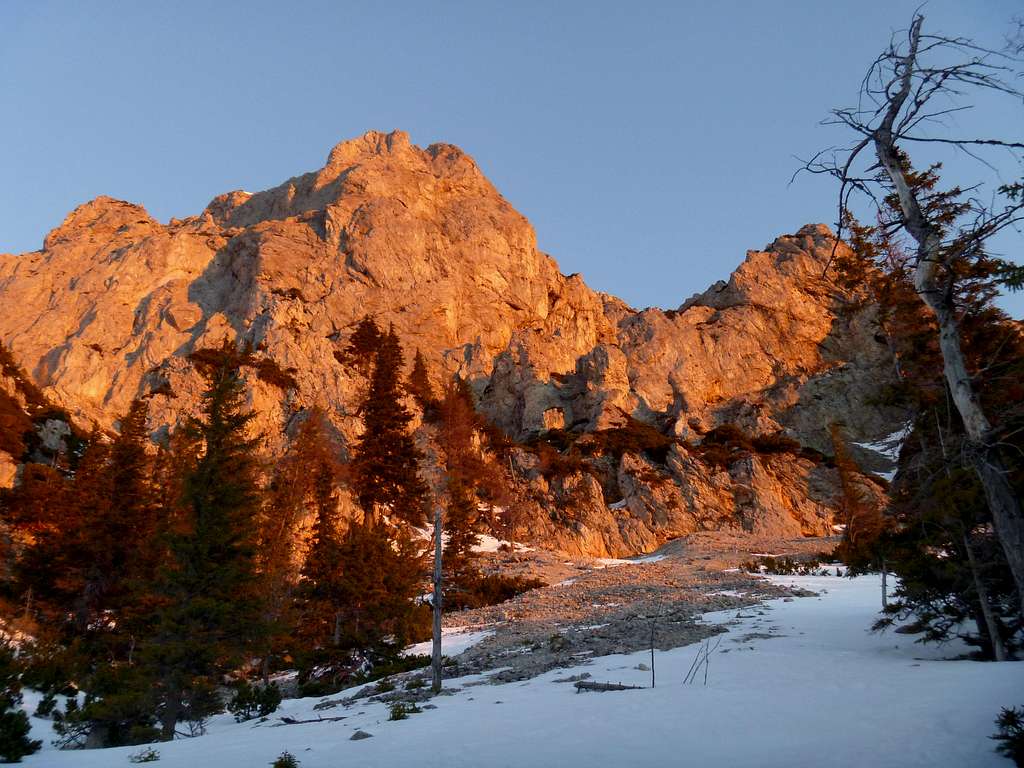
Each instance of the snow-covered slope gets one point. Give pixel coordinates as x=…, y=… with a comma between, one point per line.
x=798, y=683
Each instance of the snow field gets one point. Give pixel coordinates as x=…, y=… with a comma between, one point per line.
x=821, y=691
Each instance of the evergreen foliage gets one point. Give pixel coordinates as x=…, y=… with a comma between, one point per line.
x=463, y=466
x=865, y=527
x=14, y=725
x=210, y=611
x=252, y=701
x=363, y=345
x=285, y=760
x=382, y=570
x=385, y=474
x=938, y=535
x=1010, y=734
x=304, y=478
x=420, y=388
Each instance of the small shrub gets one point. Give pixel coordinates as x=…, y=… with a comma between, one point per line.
x=786, y=566
x=385, y=686
x=634, y=437
x=731, y=435
x=777, y=442
x=553, y=465
x=252, y=701
x=401, y=710
x=490, y=589
x=14, y=725
x=46, y=705
x=285, y=760
x=290, y=293
x=415, y=684
x=269, y=371
x=148, y=755
x=1011, y=734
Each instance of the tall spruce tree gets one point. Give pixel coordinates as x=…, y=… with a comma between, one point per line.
x=463, y=467
x=303, y=479
x=385, y=474
x=320, y=590
x=211, y=612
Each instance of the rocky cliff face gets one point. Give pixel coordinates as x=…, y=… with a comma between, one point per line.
x=111, y=306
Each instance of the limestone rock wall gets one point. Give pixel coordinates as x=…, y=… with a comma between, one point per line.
x=114, y=302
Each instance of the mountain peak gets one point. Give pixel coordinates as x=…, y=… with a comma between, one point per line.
x=371, y=143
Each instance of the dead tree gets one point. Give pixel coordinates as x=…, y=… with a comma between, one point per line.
x=435, y=656
x=917, y=83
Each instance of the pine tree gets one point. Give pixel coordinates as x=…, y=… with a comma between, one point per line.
x=463, y=468
x=377, y=587
x=385, y=473
x=319, y=590
x=14, y=725
x=941, y=541
x=304, y=478
x=421, y=390
x=211, y=612
x=363, y=345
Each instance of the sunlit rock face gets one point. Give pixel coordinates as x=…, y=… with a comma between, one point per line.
x=115, y=301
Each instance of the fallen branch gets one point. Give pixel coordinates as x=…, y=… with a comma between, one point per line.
x=293, y=721
x=584, y=685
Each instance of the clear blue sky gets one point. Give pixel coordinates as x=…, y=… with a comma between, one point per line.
x=650, y=144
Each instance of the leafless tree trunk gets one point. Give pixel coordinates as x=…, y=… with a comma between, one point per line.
x=898, y=88
x=435, y=660
x=930, y=285
x=885, y=586
x=991, y=625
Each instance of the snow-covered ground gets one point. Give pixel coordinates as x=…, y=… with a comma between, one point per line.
x=821, y=691
x=454, y=640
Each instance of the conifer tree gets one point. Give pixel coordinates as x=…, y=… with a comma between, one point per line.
x=303, y=478
x=322, y=572
x=463, y=467
x=14, y=725
x=940, y=541
x=211, y=612
x=363, y=345
x=385, y=473
x=419, y=387
x=380, y=578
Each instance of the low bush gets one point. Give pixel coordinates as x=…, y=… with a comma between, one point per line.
x=1010, y=734
x=489, y=589
x=777, y=442
x=270, y=372
x=251, y=701
x=785, y=566
x=401, y=710
x=285, y=760
x=634, y=437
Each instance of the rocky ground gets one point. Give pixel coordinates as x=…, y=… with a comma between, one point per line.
x=600, y=607
x=594, y=608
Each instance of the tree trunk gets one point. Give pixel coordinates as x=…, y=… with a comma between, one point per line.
x=1006, y=514
x=170, y=714
x=337, y=629
x=1002, y=500
x=991, y=625
x=885, y=590
x=435, y=662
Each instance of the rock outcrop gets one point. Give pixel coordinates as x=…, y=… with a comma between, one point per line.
x=115, y=301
